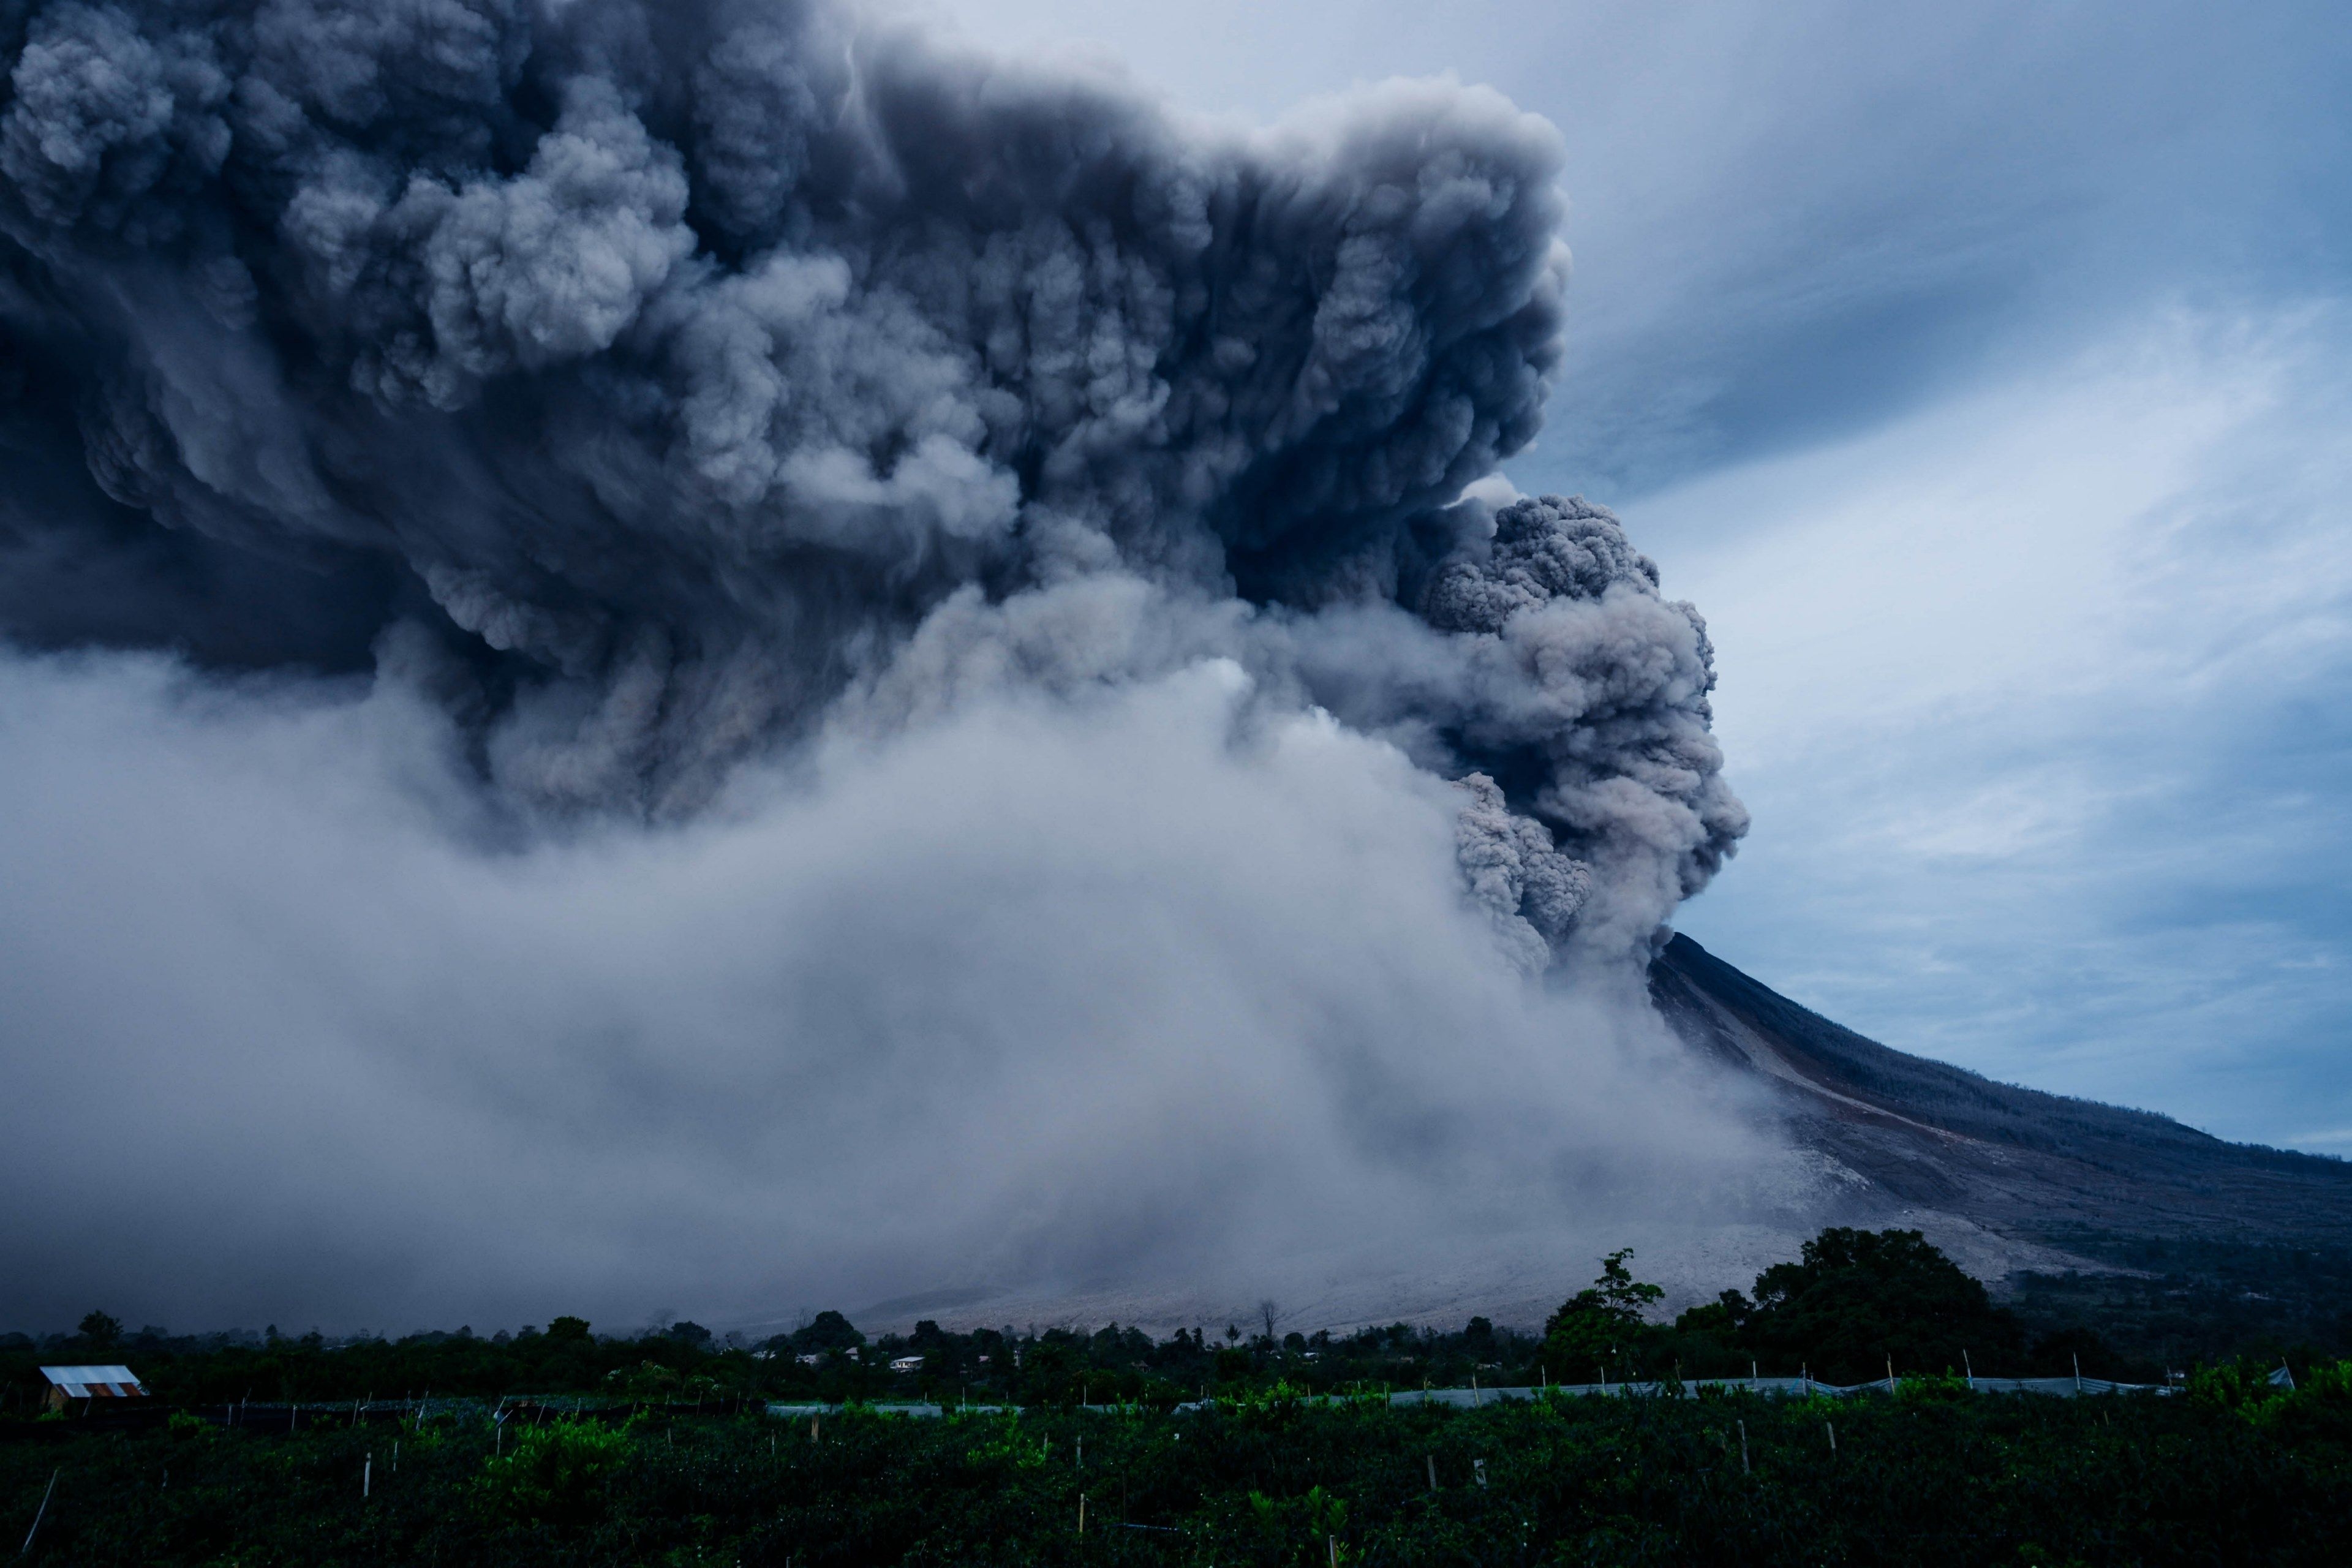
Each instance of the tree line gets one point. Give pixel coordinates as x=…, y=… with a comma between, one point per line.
x=1852, y=1303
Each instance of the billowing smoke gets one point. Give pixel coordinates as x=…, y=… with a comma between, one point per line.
x=646, y=428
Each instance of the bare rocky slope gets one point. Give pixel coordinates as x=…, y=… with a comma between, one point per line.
x=2041, y=1167
x=2165, y=1233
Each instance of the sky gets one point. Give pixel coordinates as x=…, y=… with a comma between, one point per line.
x=1981, y=373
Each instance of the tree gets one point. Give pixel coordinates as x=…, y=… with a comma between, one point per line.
x=1856, y=1299
x=1604, y=1321
x=568, y=1328
x=1710, y=1338
x=1722, y=1318
x=828, y=1331
x=101, y=1329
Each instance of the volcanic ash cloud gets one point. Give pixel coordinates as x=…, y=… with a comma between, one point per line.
x=631, y=431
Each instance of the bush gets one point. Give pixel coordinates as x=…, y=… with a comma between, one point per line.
x=556, y=1474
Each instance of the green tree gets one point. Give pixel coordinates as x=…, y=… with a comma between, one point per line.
x=1604, y=1324
x=1710, y=1340
x=101, y=1329
x=828, y=1331
x=1856, y=1299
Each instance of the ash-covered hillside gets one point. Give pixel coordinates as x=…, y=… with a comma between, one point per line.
x=2121, y=1214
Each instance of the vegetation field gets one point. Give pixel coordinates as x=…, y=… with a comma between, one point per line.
x=1933, y=1476
x=563, y=1446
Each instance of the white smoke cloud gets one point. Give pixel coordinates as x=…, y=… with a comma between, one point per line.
x=1159, y=989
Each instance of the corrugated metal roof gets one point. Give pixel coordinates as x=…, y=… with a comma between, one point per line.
x=95, y=1382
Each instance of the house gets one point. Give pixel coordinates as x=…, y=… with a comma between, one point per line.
x=907, y=1363
x=93, y=1383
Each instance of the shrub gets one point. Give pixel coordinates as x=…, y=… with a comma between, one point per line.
x=555, y=1474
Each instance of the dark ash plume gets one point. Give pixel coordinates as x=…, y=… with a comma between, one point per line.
x=657, y=385
x=1596, y=689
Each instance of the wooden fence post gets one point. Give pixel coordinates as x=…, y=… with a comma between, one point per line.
x=39, y=1514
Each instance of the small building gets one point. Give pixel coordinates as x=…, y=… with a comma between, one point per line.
x=70, y=1383
x=907, y=1363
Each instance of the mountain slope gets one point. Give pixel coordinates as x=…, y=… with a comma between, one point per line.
x=2093, y=1179
x=2164, y=1241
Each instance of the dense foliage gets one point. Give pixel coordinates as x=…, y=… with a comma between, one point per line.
x=1853, y=1303
x=2237, y=1472
x=2174, y=1302
x=1856, y=1303
x=563, y=1446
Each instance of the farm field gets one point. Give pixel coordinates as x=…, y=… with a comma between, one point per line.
x=2232, y=1472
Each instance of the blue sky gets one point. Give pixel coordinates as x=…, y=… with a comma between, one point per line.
x=1982, y=371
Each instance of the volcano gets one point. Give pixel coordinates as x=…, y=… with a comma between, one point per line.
x=2106, y=1210
x=2041, y=1168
